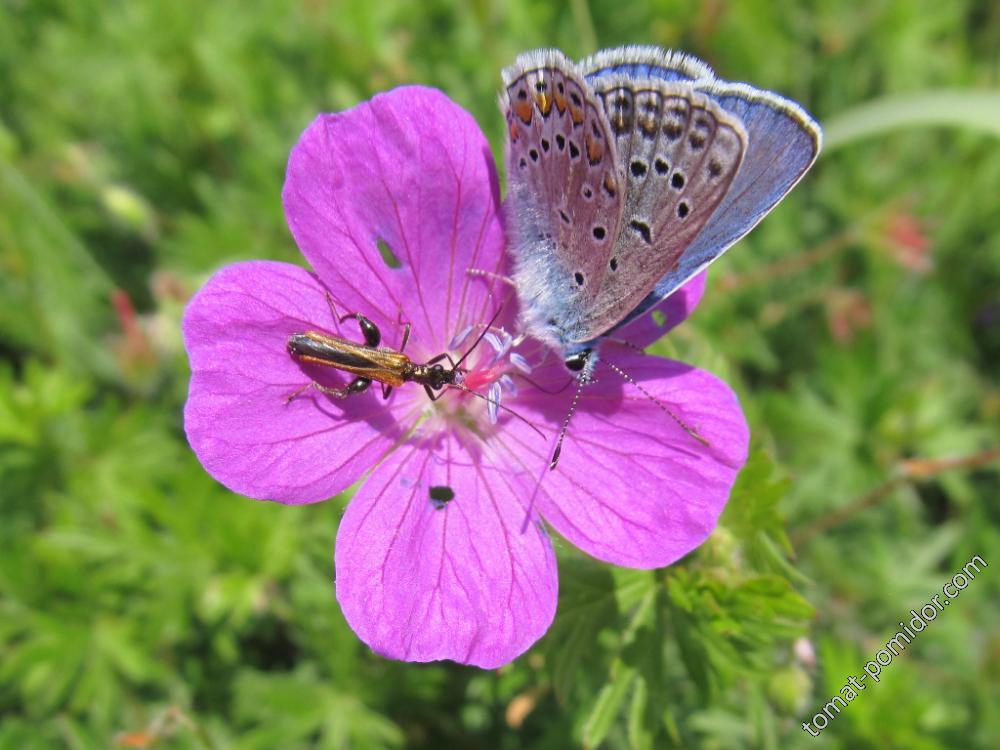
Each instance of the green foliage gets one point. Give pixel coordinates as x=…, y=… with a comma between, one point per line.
x=142, y=145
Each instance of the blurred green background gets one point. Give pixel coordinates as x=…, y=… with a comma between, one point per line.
x=143, y=144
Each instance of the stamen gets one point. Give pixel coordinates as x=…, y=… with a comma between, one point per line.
x=459, y=338
x=501, y=342
x=493, y=394
x=520, y=363
x=508, y=384
x=493, y=340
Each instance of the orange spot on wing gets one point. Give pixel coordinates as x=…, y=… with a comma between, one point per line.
x=560, y=101
x=544, y=102
x=524, y=110
x=610, y=184
x=595, y=149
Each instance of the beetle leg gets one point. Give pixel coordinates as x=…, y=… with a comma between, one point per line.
x=358, y=385
x=430, y=393
x=406, y=337
x=386, y=390
x=333, y=310
x=335, y=392
x=373, y=336
x=439, y=357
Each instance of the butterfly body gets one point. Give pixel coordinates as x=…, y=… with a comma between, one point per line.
x=628, y=174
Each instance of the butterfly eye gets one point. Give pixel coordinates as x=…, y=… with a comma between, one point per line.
x=576, y=362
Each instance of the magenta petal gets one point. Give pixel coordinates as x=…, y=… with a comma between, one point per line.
x=461, y=582
x=411, y=168
x=674, y=310
x=632, y=487
x=246, y=436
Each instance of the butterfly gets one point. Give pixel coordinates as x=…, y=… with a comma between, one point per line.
x=628, y=174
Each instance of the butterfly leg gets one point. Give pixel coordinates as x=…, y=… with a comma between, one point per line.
x=491, y=275
x=373, y=336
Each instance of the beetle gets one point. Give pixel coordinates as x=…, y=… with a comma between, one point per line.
x=371, y=362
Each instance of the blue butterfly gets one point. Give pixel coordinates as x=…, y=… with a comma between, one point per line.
x=628, y=174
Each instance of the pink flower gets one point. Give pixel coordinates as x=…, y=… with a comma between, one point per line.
x=418, y=577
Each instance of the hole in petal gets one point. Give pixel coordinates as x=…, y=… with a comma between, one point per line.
x=441, y=495
x=388, y=256
x=659, y=318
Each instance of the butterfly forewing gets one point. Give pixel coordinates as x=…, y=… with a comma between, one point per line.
x=679, y=152
x=565, y=188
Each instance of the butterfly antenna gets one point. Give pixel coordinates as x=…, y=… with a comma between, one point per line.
x=495, y=403
x=581, y=381
x=683, y=425
x=478, y=340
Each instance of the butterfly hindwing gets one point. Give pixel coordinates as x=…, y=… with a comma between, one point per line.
x=783, y=141
x=679, y=152
x=564, y=199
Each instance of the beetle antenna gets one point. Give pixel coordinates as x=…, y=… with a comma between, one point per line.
x=479, y=339
x=495, y=403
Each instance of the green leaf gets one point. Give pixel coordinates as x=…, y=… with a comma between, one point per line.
x=63, y=291
x=609, y=704
x=956, y=108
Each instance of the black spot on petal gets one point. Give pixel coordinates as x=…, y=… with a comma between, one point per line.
x=441, y=495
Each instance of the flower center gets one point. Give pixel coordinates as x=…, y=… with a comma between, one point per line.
x=484, y=384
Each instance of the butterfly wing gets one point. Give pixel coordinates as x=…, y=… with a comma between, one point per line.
x=680, y=153
x=639, y=62
x=783, y=141
x=564, y=201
